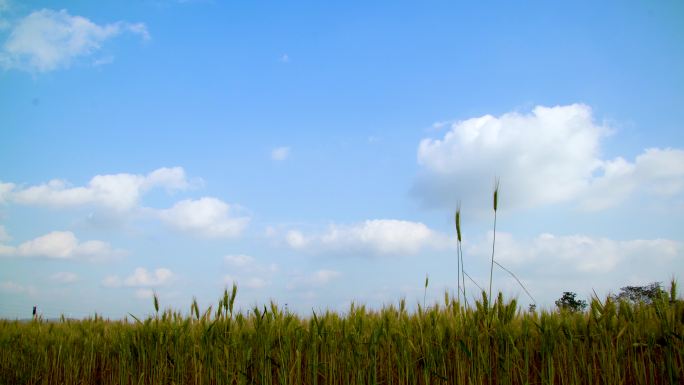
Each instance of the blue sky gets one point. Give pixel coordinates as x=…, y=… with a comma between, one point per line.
x=315, y=153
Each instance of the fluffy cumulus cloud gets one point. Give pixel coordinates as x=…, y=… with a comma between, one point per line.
x=550, y=155
x=121, y=195
x=141, y=278
x=61, y=245
x=47, y=40
x=206, y=217
x=5, y=191
x=658, y=172
x=119, y=192
x=376, y=237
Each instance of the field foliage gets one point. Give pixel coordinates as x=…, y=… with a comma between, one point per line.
x=612, y=342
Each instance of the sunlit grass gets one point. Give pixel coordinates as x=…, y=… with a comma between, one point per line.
x=611, y=343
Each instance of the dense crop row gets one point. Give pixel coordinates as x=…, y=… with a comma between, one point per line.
x=611, y=343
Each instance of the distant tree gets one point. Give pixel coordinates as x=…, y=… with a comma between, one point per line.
x=570, y=302
x=532, y=308
x=640, y=294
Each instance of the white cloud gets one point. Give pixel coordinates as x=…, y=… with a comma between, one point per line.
x=549, y=264
x=378, y=236
x=111, y=281
x=247, y=282
x=47, y=40
x=580, y=254
x=205, y=217
x=6, y=250
x=119, y=192
x=316, y=279
x=144, y=293
x=296, y=239
x=15, y=288
x=656, y=171
x=280, y=153
x=5, y=191
x=141, y=278
x=322, y=277
x=550, y=155
x=171, y=178
x=547, y=156
x=239, y=260
x=247, y=272
x=64, y=277
x=61, y=245
x=284, y=58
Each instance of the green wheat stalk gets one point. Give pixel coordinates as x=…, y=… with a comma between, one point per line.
x=459, y=262
x=496, y=204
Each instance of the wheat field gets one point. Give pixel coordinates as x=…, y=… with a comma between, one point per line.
x=613, y=342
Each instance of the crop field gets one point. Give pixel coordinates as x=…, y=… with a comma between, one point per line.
x=612, y=342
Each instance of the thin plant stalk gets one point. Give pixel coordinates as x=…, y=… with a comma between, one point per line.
x=458, y=252
x=472, y=280
x=496, y=201
x=519, y=282
x=425, y=293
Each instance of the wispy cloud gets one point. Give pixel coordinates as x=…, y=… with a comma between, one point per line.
x=141, y=278
x=371, y=237
x=246, y=271
x=64, y=277
x=280, y=153
x=47, y=40
x=119, y=192
x=240, y=261
x=248, y=282
x=61, y=245
x=15, y=288
x=4, y=236
x=120, y=195
x=316, y=279
x=550, y=263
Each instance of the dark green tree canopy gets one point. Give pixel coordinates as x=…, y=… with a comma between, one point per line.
x=570, y=302
x=640, y=294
